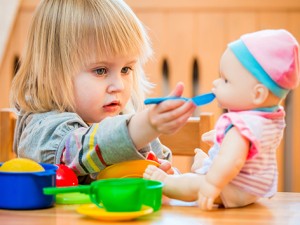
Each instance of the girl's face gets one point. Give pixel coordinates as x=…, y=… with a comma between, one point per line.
x=234, y=89
x=104, y=88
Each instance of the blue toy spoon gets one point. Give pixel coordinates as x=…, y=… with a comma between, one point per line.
x=198, y=100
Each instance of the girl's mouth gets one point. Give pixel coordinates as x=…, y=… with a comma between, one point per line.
x=112, y=106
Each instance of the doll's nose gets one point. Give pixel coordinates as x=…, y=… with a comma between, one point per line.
x=215, y=82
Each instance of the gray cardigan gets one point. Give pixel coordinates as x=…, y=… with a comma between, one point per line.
x=54, y=137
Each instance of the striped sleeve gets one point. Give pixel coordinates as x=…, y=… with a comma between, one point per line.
x=91, y=149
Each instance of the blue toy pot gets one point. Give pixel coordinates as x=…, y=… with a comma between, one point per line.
x=25, y=190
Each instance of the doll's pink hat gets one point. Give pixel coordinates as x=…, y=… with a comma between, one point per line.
x=272, y=57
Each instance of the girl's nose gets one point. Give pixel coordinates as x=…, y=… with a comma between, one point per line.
x=116, y=83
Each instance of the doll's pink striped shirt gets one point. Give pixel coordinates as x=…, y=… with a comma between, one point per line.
x=264, y=130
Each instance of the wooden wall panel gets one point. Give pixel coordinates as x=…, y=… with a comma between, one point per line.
x=239, y=23
x=179, y=32
x=155, y=23
x=292, y=134
x=8, y=12
x=211, y=42
x=185, y=31
x=14, y=50
x=273, y=20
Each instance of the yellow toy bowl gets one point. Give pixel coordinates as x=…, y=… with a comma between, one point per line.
x=133, y=168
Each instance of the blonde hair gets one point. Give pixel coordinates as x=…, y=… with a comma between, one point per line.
x=64, y=36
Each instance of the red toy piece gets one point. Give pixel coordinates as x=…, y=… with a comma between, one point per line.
x=151, y=156
x=65, y=176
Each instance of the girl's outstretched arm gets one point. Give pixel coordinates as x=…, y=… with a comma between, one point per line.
x=165, y=118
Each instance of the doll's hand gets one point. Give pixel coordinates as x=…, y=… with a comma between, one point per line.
x=166, y=166
x=169, y=116
x=209, y=137
x=207, y=194
x=154, y=173
x=198, y=159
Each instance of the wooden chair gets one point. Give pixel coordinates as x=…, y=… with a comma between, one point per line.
x=7, y=126
x=183, y=143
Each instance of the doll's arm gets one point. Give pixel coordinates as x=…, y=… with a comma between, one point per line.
x=226, y=165
x=206, y=188
x=199, y=157
x=209, y=137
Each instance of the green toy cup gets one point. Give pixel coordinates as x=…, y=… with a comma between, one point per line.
x=153, y=197
x=119, y=195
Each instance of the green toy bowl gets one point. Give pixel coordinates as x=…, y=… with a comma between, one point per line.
x=153, y=197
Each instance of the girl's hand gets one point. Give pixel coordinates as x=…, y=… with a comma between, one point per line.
x=164, y=118
x=169, y=116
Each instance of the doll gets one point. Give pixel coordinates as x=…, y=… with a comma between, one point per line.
x=256, y=73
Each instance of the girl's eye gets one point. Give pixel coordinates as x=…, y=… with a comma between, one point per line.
x=100, y=71
x=126, y=70
x=225, y=80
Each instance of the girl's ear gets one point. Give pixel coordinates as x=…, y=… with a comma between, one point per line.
x=260, y=94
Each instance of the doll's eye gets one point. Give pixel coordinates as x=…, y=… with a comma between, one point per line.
x=224, y=79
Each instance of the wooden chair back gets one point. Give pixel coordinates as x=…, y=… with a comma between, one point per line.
x=189, y=137
x=7, y=126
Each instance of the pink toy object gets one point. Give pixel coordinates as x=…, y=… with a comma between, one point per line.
x=272, y=56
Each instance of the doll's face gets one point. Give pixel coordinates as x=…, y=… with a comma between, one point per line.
x=235, y=88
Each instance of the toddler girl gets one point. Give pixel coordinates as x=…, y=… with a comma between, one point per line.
x=80, y=88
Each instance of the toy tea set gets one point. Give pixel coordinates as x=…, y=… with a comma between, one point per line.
x=120, y=193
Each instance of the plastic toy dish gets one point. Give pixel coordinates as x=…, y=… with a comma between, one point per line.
x=95, y=212
x=24, y=190
x=114, y=194
x=133, y=168
x=21, y=165
x=72, y=198
x=153, y=197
